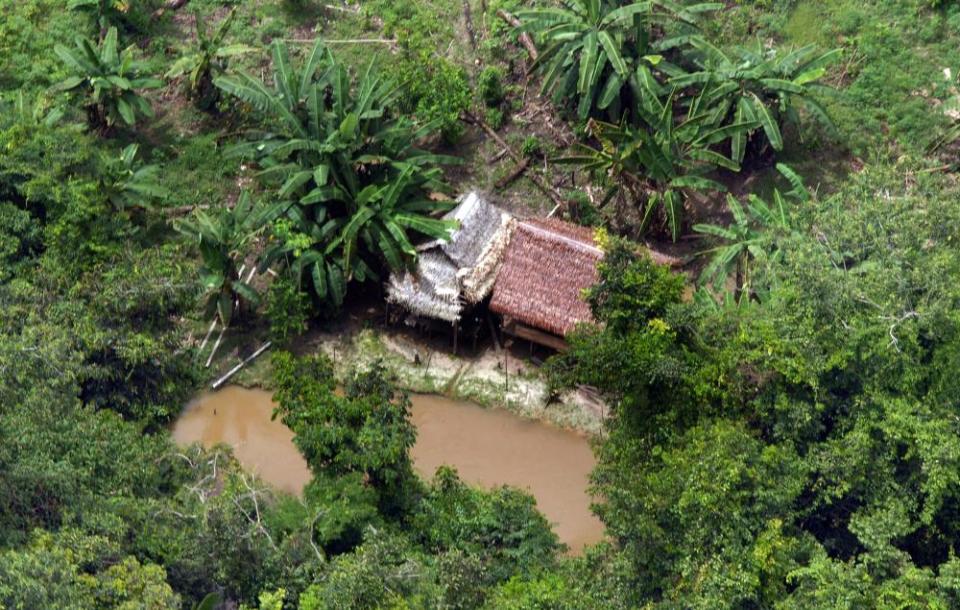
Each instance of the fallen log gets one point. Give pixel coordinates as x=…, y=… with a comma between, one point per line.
x=468, y=22
x=524, y=37
x=171, y=5
x=516, y=173
x=543, y=186
x=183, y=210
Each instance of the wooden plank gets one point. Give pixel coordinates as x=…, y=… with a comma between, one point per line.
x=538, y=336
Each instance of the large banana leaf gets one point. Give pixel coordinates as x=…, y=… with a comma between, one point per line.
x=335, y=149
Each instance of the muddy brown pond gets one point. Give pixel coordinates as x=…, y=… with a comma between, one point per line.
x=488, y=447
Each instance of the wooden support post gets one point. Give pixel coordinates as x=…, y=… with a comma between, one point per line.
x=493, y=333
x=456, y=333
x=506, y=367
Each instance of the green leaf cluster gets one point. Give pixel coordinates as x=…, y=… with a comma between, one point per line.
x=207, y=60
x=108, y=79
x=345, y=167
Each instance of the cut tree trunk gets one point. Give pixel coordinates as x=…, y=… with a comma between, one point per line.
x=524, y=37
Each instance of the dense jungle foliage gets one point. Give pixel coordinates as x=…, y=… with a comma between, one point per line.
x=785, y=425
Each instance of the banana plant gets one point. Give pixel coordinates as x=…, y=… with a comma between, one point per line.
x=592, y=47
x=752, y=235
x=225, y=238
x=658, y=164
x=206, y=60
x=127, y=183
x=353, y=183
x=106, y=12
x=31, y=111
x=763, y=85
x=109, y=81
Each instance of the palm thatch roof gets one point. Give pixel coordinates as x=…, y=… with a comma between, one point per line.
x=547, y=266
x=451, y=274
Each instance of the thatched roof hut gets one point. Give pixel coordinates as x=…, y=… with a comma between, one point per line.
x=545, y=270
x=451, y=274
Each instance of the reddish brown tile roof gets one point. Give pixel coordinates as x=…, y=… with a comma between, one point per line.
x=547, y=266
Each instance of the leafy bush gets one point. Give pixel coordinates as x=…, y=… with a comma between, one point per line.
x=337, y=141
x=490, y=85
x=108, y=80
x=494, y=117
x=206, y=61
x=39, y=161
x=551, y=591
x=20, y=239
x=380, y=574
x=287, y=311
x=366, y=431
x=639, y=355
x=532, y=147
x=29, y=31
x=224, y=238
x=134, y=362
x=501, y=527
x=436, y=91
x=47, y=169
x=54, y=571
x=593, y=47
x=127, y=183
x=582, y=210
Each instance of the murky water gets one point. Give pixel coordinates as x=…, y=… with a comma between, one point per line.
x=488, y=447
x=491, y=447
x=241, y=418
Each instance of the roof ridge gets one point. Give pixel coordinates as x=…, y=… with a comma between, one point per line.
x=574, y=242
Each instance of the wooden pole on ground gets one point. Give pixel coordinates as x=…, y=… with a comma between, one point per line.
x=386, y=41
x=216, y=346
x=206, y=337
x=219, y=382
